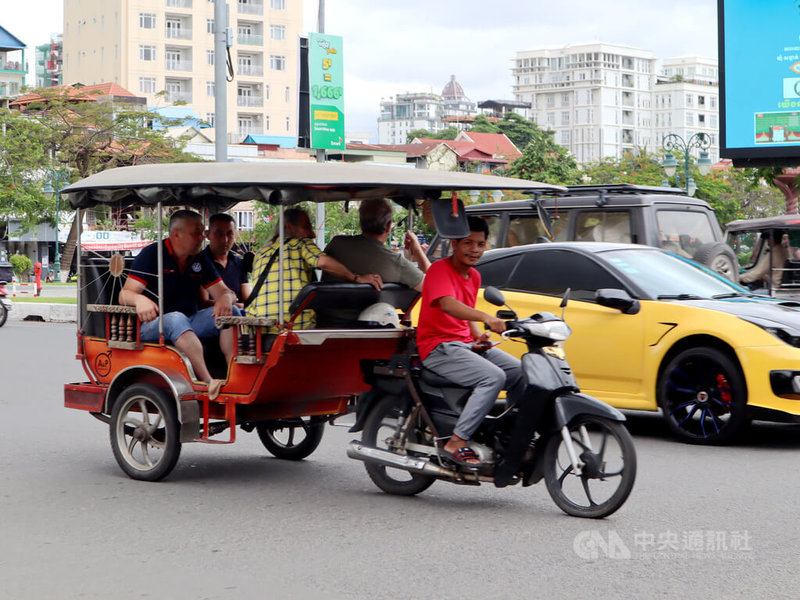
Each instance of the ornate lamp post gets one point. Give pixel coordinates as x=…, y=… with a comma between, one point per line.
x=56, y=178
x=675, y=144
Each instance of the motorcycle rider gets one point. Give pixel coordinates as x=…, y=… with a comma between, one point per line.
x=451, y=344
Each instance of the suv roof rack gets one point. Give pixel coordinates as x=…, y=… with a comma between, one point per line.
x=615, y=188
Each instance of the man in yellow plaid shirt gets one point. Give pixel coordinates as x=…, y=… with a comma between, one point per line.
x=301, y=257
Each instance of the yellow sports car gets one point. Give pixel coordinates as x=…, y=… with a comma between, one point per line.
x=651, y=330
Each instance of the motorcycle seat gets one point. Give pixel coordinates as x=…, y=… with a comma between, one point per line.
x=436, y=380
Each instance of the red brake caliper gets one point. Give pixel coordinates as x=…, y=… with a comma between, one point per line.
x=724, y=390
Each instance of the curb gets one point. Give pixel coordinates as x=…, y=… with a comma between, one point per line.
x=56, y=313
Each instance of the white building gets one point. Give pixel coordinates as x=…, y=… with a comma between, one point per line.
x=403, y=113
x=602, y=100
x=164, y=50
x=686, y=101
x=596, y=97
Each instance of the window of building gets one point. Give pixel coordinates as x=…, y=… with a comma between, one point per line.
x=288, y=124
x=564, y=99
x=287, y=94
x=277, y=4
x=565, y=117
x=689, y=118
x=266, y=92
x=147, y=85
x=211, y=118
x=147, y=20
x=277, y=32
x=244, y=219
x=266, y=122
x=245, y=125
x=210, y=88
x=147, y=52
x=277, y=62
x=210, y=57
x=209, y=25
x=689, y=99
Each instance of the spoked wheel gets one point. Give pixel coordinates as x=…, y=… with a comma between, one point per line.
x=702, y=395
x=605, y=449
x=3, y=314
x=145, y=435
x=382, y=430
x=291, y=439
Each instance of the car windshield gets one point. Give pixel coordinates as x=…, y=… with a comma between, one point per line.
x=666, y=277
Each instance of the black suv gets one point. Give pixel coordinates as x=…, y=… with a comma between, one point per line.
x=622, y=213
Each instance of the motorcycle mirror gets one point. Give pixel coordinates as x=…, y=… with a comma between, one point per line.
x=565, y=298
x=494, y=296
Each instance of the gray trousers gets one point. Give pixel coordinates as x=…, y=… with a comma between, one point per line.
x=487, y=373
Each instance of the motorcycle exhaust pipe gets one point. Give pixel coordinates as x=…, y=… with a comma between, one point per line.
x=359, y=451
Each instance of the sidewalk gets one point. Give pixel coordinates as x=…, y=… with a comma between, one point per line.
x=56, y=313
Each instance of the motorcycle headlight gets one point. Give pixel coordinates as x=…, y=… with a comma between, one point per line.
x=785, y=333
x=558, y=331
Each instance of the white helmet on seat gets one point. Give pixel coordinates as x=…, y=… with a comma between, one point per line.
x=382, y=313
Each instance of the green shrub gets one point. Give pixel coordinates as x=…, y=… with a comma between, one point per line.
x=21, y=265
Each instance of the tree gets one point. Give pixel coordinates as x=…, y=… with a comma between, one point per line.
x=82, y=132
x=639, y=169
x=448, y=133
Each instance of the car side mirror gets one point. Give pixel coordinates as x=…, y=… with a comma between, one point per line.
x=619, y=299
x=494, y=296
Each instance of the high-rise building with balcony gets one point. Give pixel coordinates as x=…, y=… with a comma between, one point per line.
x=686, y=101
x=12, y=66
x=164, y=50
x=49, y=62
x=595, y=97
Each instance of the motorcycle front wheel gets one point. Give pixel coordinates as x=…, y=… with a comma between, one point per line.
x=382, y=430
x=3, y=314
x=605, y=450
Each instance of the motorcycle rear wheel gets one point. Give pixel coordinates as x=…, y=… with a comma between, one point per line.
x=381, y=431
x=608, y=473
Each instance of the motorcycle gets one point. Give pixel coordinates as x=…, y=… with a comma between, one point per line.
x=580, y=446
x=6, y=273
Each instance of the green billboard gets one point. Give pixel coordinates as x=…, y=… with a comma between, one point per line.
x=326, y=87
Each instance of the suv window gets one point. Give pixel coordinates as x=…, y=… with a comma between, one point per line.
x=525, y=229
x=683, y=232
x=603, y=226
x=552, y=272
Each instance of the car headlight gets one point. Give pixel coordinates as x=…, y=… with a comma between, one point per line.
x=785, y=333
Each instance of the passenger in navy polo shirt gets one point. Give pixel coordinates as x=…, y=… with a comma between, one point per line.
x=186, y=271
x=221, y=236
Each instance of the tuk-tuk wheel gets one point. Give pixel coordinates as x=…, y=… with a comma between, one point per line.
x=290, y=439
x=145, y=435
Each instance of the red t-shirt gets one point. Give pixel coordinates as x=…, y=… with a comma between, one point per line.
x=435, y=326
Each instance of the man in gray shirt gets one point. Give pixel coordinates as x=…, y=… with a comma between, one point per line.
x=367, y=253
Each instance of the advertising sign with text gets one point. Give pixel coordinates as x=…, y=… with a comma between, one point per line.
x=325, y=78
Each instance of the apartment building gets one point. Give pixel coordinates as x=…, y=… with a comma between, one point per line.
x=12, y=66
x=686, y=101
x=595, y=97
x=403, y=113
x=164, y=50
x=49, y=62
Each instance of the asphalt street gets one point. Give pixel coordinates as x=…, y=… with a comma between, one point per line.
x=233, y=522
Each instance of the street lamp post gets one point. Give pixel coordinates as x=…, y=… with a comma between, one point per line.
x=56, y=178
x=675, y=144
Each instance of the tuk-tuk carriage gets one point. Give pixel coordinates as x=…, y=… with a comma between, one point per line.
x=768, y=252
x=286, y=390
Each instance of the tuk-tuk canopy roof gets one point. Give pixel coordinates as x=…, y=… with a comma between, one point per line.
x=218, y=186
x=778, y=222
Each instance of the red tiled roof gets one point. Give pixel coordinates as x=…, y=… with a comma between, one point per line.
x=495, y=144
x=88, y=93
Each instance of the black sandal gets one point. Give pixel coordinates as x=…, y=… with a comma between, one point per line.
x=461, y=456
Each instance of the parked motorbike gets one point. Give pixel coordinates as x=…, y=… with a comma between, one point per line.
x=5, y=303
x=580, y=446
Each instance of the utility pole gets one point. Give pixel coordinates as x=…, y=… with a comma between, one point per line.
x=221, y=33
x=321, y=151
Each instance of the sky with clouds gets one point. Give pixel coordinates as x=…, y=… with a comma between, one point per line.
x=416, y=45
